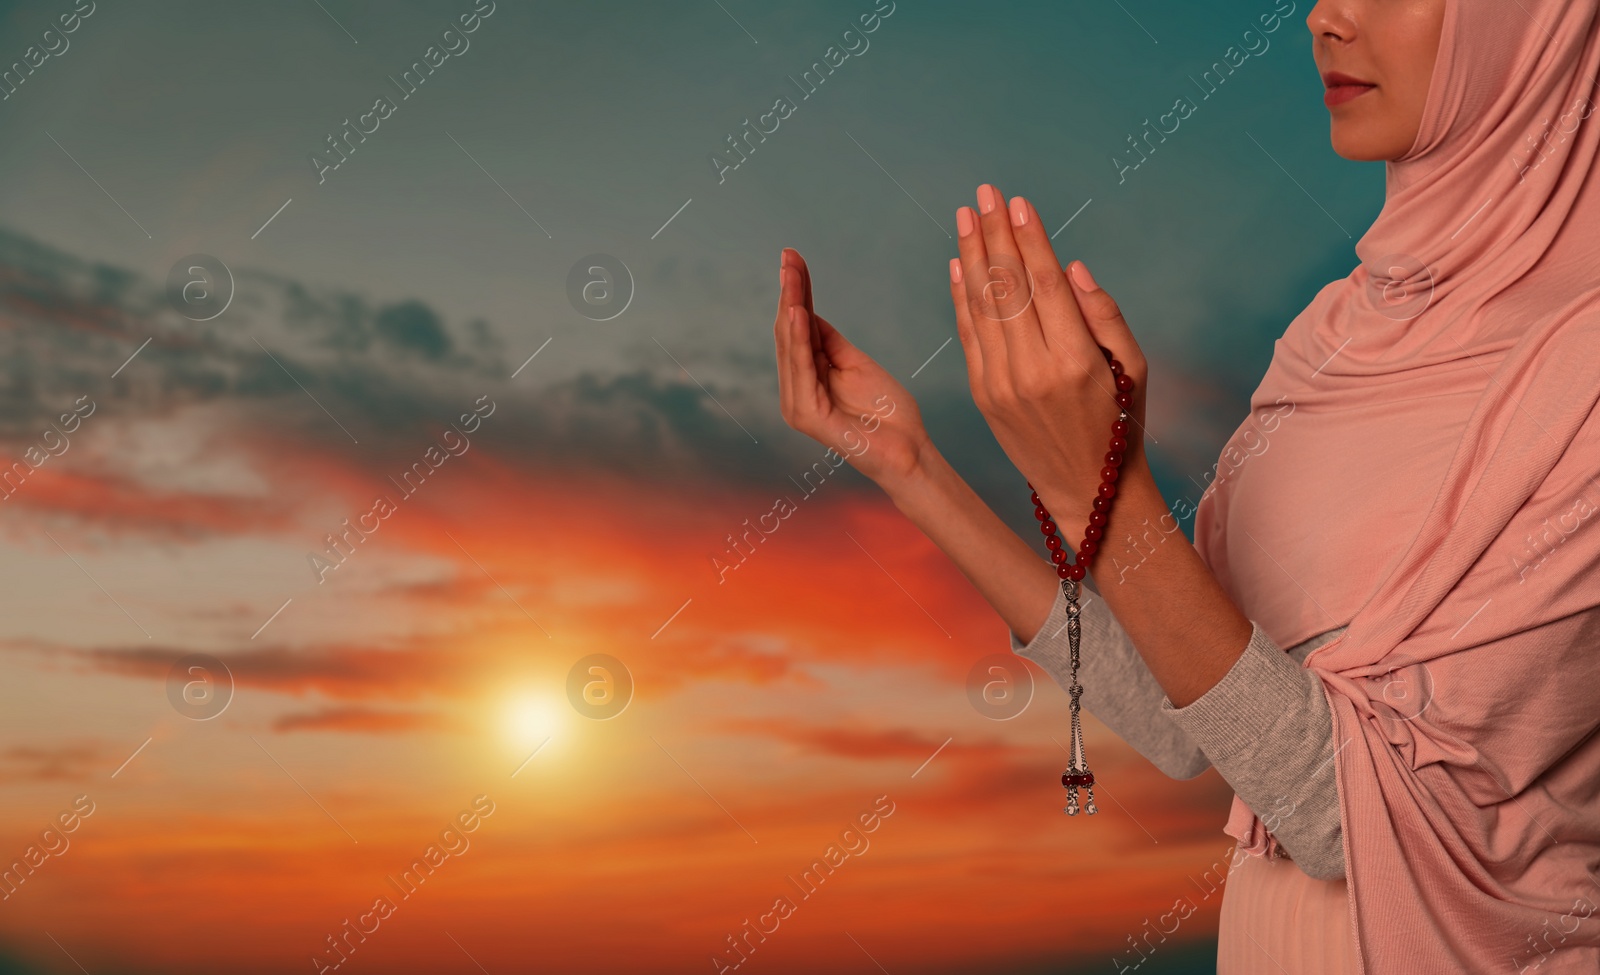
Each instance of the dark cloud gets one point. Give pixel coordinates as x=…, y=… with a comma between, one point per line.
x=351, y=720
x=422, y=668
x=60, y=763
x=338, y=671
x=391, y=374
x=414, y=326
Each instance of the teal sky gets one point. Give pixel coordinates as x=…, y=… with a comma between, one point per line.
x=597, y=122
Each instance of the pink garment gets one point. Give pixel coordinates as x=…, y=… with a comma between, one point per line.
x=1277, y=920
x=1434, y=413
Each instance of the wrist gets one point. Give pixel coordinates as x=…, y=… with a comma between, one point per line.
x=1139, y=522
x=921, y=477
x=1072, y=508
x=1138, y=482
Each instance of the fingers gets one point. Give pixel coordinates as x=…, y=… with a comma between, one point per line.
x=1005, y=277
x=819, y=354
x=1061, y=321
x=782, y=335
x=797, y=264
x=797, y=370
x=1110, y=329
x=964, y=329
x=977, y=291
x=1000, y=288
x=1105, y=322
x=819, y=361
x=1010, y=283
x=840, y=352
x=805, y=280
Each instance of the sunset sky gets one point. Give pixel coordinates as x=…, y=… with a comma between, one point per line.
x=376, y=696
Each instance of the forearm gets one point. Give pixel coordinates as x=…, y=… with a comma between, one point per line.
x=1267, y=727
x=1024, y=589
x=1183, y=623
x=1010, y=575
x=1175, y=611
x=1117, y=686
x=1179, y=620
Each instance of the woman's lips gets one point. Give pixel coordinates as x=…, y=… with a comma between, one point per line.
x=1342, y=88
x=1339, y=94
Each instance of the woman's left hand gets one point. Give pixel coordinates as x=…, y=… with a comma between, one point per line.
x=1031, y=331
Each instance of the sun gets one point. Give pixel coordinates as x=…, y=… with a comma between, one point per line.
x=531, y=717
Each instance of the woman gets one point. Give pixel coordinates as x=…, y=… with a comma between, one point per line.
x=1409, y=499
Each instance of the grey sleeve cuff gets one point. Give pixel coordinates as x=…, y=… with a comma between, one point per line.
x=1267, y=727
x=1118, y=688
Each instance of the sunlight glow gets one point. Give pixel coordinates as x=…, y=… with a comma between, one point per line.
x=531, y=718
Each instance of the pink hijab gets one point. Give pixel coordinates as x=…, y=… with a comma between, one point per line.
x=1421, y=464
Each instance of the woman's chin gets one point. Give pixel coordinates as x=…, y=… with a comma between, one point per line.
x=1361, y=144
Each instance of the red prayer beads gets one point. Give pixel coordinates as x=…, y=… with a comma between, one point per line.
x=1077, y=776
x=1078, y=568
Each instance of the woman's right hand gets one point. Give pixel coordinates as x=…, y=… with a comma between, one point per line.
x=836, y=394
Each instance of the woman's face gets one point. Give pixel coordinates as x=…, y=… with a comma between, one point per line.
x=1376, y=59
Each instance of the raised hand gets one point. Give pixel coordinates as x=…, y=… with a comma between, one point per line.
x=836, y=394
x=1031, y=332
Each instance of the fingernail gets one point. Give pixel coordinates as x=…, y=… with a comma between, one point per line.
x=1019, y=211
x=964, y=221
x=1081, y=275
x=955, y=270
x=988, y=198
